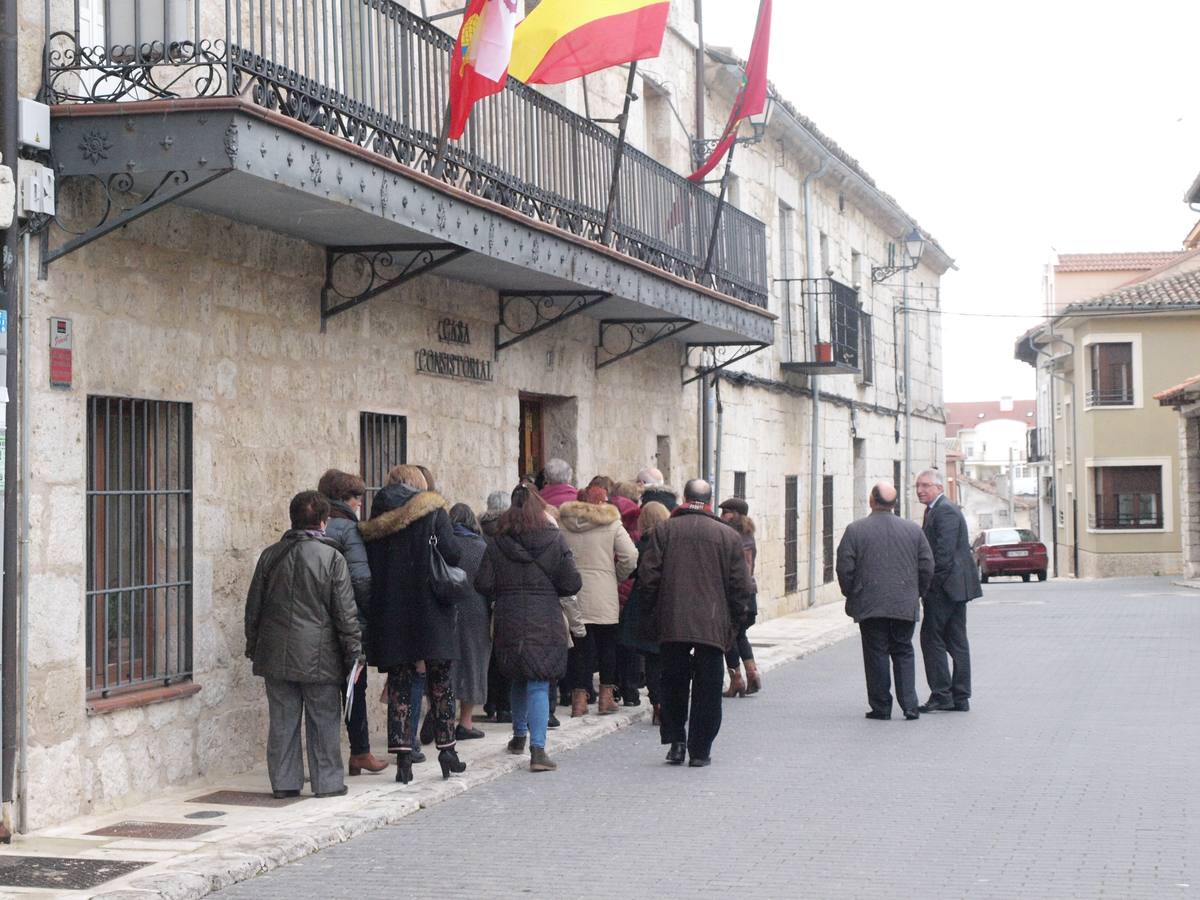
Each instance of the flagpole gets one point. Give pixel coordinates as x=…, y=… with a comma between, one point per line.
x=712, y=240
x=618, y=156
x=439, y=160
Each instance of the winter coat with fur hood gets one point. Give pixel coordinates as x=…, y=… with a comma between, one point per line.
x=525, y=574
x=604, y=554
x=407, y=622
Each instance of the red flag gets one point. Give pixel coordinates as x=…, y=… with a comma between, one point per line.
x=752, y=98
x=479, y=63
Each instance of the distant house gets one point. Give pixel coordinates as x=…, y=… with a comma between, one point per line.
x=1108, y=455
x=983, y=440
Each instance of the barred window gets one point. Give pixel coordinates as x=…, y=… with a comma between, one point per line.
x=827, y=527
x=139, y=544
x=739, y=485
x=866, y=350
x=791, y=503
x=383, y=443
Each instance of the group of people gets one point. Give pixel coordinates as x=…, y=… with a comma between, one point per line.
x=887, y=568
x=620, y=578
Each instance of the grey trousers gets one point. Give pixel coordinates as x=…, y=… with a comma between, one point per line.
x=321, y=706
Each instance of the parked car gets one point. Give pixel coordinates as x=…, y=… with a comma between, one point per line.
x=1010, y=551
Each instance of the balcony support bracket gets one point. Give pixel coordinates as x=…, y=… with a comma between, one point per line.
x=354, y=275
x=724, y=355
x=526, y=313
x=621, y=338
x=111, y=202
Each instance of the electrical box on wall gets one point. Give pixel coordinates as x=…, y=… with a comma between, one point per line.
x=33, y=124
x=62, y=342
x=36, y=188
x=8, y=195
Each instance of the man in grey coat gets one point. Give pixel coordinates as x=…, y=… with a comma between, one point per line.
x=302, y=634
x=884, y=566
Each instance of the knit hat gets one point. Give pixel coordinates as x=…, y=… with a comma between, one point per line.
x=737, y=505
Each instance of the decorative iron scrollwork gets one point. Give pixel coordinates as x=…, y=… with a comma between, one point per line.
x=720, y=356
x=354, y=275
x=526, y=313
x=621, y=338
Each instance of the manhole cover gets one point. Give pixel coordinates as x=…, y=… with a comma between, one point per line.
x=62, y=873
x=167, y=831
x=204, y=814
x=245, y=798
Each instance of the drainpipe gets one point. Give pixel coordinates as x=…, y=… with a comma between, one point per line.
x=814, y=455
x=906, y=472
x=707, y=400
x=22, y=780
x=8, y=257
x=1070, y=385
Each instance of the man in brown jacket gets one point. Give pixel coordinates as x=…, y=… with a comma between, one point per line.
x=697, y=587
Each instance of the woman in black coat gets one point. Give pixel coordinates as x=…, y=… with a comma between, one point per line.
x=408, y=624
x=525, y=570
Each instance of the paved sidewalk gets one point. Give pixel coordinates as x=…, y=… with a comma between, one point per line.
x=249, y=840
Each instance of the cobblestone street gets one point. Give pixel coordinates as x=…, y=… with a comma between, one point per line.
x=1072, y=776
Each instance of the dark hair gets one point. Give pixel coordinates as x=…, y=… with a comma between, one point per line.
x=338, y=485
x=461, y=514
x=880, y=502
x=308, y=510
x=527, y=513
x=602, y=481
x=428, y=478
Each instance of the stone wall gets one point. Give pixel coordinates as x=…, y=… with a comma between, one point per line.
x=1189, y=488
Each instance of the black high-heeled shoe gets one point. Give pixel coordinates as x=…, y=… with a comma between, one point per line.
x=450, y=763
x=404, y=763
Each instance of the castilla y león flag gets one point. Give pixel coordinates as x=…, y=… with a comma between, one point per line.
x=752, y=98
x=565, y=39
x=479, y=64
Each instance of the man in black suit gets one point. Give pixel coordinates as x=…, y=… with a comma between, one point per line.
x=955, y=581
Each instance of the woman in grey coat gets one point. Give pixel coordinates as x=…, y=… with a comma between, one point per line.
x=474, y=626
x=302, y=635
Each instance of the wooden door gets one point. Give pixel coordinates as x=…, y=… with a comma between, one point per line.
x=532, y=438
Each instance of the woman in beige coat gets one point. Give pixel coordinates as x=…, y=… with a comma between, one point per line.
x=605, y=556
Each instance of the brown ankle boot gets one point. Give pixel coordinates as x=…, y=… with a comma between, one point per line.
x=607, y=705
x=366, y=762
x=753, y=679
x=539, y=761
x=737, y=685
x=578, y=703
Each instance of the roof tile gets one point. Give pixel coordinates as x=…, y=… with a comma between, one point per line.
x=1114, y=262
x=1172, y=292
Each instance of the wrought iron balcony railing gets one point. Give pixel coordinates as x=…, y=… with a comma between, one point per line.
x=834, y=345
x=376, y=75
x=1122, y=396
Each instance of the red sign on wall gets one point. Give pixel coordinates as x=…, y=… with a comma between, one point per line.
x=61, y=345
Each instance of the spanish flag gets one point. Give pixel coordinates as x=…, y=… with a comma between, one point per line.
x=565, y=39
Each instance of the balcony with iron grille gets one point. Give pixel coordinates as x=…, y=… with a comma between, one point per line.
x=827, y=340
x=321, y=119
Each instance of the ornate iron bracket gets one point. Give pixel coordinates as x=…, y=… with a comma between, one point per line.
x=353, y=275
x=115, y=202
x=545, y=308
x=620, y=338
x=724, y=354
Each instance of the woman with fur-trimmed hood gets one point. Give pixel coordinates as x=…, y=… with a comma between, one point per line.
x=408, y=624
x=605, y=556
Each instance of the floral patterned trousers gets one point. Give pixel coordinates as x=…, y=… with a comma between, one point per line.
x=401, y=709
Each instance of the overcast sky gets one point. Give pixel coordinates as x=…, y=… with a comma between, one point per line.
x=1006, y=132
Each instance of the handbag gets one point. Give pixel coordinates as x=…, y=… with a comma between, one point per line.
x=448, y=583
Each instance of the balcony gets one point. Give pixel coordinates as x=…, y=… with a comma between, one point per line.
x=1037, y=445
x=1120, y=396
x=833, y=346
x=299, y=115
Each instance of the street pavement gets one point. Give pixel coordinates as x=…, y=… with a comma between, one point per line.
x=1073, y=775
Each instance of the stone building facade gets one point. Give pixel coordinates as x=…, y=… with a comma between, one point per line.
x=200, y=323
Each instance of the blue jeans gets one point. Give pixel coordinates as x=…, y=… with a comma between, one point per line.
x=530, y=710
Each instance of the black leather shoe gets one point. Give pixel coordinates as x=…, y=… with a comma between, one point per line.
x=699, y=762
x=418, y=756
x=962, y=706
x=450, y=763
x=677, y=754
x=882, y=717
x=935, y=707
x=467, y=734
x=911, y=714
x=341, y=793
x=553, y=722
x=404, y=761
x=283, y=795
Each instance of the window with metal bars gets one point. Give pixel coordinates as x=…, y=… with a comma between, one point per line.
x=866, y=350
x=739, y=485
x=827, y=526
x=896, y=484
x=139, y=544
x=791, y=504
x=382, y=443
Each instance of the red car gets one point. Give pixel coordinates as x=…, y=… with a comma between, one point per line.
x=1010, y=551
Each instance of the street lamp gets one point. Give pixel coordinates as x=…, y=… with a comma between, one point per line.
x=914, y=246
